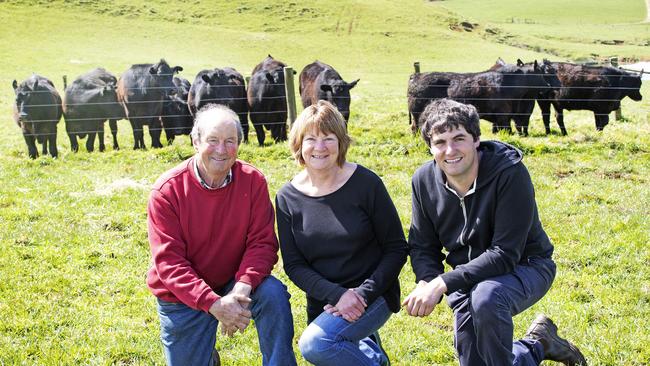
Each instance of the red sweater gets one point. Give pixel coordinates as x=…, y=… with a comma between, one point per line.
x=200, y=239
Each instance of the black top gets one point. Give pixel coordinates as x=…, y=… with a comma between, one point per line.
x=350, y=238
x=486, y=233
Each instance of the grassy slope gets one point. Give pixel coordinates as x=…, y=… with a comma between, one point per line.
x=576, y=29
x=73, y=233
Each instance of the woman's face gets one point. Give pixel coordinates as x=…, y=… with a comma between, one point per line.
x=319, y=150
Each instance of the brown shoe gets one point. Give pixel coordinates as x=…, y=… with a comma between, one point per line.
x=556, y=348
x=216, y=361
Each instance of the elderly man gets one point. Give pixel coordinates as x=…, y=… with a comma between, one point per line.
x=476, y=200
x=213, y=245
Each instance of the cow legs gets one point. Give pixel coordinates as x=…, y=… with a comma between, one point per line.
x=155, y=130
x=100, y=136
x=259, y=130
x=279, y=131
x=44, y=143
x=138, y=135
x=74, y=146
x=521, y=124
x=602, y=120
x=559, y=117
x=52, y=142
x=31, y=145
x=243, y=120
x=90, y=142
x=545, y=107
x=113, y=124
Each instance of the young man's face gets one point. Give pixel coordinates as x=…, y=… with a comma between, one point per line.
x=455, y=153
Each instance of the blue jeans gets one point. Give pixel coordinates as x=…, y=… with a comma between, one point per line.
x=483, y=327
x=332, y=340
x=188, y=336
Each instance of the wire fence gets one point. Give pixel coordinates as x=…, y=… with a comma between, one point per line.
x=468, y=82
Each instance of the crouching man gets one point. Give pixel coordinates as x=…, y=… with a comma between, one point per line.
x=476, y=200
x=210, y=223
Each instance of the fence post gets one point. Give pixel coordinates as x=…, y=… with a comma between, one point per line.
x=416, y=66
x=65, y=81
x=613, y=61
x=291, y=94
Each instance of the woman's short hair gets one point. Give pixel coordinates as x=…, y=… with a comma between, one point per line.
x=320, y=117
x=445, y=114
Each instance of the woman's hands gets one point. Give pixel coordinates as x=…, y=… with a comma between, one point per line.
x=350, y=306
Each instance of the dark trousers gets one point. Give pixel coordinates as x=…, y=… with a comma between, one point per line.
x=483, y=328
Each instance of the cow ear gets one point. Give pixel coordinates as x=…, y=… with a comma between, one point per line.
x=15, y=84
x=500, y=61
x=326, y=88
x=269, y=77
x=353, y=84
x=152, y=70
x=177, y=69
x=546, y=61
x=206, y=78
x=520, y=63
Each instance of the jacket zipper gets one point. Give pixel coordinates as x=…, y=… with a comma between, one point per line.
x=462, y=232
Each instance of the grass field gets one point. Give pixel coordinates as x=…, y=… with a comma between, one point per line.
x=73, y=229
x=580, y=29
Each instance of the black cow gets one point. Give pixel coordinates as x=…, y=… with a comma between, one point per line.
x=89, y=101
x=502, y=92
x=496, y=94
x=319, y=81
x=141, y=90
x=595, y=88
x=267, y=99
x=523, y=107
x=220, y=86
x=177, y=119
x=425, y=87
x=37, y=110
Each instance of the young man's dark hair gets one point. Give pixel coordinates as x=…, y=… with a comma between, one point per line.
x=445, y=114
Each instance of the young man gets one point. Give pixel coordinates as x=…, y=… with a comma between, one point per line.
x=213, y=245
x=476, y=200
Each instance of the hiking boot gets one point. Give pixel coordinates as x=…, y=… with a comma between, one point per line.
x=556, y=348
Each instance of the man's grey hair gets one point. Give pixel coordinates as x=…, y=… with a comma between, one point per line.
x=445, y=114
x=211, y=112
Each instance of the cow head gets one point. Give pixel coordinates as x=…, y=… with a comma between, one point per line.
x=221, y=86
x=163, y=74
x=550, y=75
x=541, y=76
x=24, y=98
x=338, y=93
x=632, y=85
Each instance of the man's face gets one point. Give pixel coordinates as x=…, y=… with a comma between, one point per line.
x=455, y=153
x=217, y=147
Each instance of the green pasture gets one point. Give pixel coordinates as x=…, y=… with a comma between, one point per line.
x=73, y=243
x=590, y=30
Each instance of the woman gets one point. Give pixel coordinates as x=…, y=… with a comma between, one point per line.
x=341, y=241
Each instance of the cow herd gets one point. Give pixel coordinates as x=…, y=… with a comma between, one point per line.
x=150, y=94
x=508, y=92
